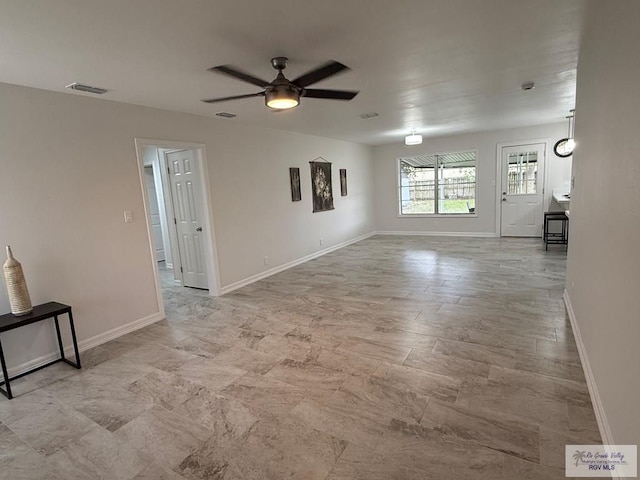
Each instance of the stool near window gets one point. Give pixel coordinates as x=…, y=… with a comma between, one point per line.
x=555, y=238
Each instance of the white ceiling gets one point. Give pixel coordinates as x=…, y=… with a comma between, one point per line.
x=437, y=66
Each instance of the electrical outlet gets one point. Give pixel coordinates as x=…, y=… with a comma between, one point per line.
x=266, y=260
x=128, y=216
x=321, y=241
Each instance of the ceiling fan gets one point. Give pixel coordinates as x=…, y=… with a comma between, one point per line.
x=282, y=93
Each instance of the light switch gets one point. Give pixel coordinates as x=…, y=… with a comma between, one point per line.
x=128, y=216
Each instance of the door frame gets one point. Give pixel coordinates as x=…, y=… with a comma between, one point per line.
x=210, y=249
x=498, y=178
x=162, y=218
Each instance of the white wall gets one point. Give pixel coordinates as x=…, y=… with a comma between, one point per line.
x=254, y=214
x=386, y=182
x=69, y=170
x=603, y=274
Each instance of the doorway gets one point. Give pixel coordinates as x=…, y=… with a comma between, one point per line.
x=180, y=224
x=521, y=179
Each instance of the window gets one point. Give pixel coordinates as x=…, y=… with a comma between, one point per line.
x=441, y=184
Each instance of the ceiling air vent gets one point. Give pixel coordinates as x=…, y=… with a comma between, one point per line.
x=87, y=88
x=226, y=115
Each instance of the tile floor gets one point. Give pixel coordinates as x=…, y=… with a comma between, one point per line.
x=394, y=358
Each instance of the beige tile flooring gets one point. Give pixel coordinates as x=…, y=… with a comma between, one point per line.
x=393, y=358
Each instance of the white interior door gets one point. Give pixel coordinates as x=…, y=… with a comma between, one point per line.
x=189, y=216
x=154, y=211
x=522, y=190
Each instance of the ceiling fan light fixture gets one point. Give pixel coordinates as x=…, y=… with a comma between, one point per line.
x=282, y=97
x=413, y=139
x=282, y=103
x=282, y=93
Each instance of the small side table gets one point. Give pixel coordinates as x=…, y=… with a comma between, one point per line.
x=39, y=313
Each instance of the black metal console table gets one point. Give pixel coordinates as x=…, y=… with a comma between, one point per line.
x=39, y=313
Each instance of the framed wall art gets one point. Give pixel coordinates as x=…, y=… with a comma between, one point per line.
x=343, y=182
x=294, y=176
x=321, y=190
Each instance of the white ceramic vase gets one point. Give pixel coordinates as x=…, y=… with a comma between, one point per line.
x=16, y=286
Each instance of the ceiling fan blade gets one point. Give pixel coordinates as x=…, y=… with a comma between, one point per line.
x=329, y=94
x=224, y=99
x=319, y=73
x=235, y=73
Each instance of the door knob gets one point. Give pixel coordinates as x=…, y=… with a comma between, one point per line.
x=199, y=229
x=504, y=199
x=504, y=193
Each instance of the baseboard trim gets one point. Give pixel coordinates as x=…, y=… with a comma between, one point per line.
x=119, y=331
x=439, y=234
x=86, y=344
x=601, y=417
x=285, y=266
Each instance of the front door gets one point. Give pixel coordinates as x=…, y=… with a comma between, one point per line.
x=188, y=213
x=522, y=190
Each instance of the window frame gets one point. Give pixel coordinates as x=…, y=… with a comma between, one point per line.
x=399, y=213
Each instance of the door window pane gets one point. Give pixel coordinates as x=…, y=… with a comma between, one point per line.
x=522, y=175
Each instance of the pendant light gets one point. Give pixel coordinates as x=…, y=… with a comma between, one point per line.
x=571, y=143
x=413, y=139
x=565, y=146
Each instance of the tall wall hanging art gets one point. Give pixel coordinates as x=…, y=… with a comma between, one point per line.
x=321, y=190
x=294, y=177
x=343, y=182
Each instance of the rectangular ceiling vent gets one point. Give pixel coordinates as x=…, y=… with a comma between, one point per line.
x=226, y=114
x=87, y=88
